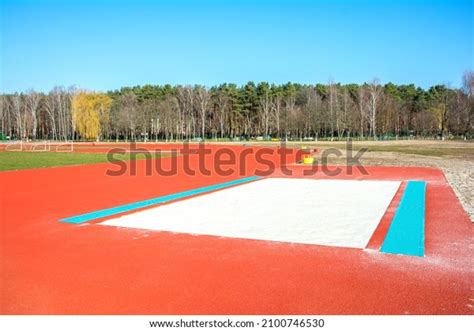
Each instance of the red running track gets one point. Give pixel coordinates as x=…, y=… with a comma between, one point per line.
x=49, y=267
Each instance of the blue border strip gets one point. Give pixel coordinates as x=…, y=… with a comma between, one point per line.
x=155, y=201
x=406, y=234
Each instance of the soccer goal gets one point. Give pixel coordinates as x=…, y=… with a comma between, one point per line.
x=39, y=146
x=64, y=147
x=14, y=146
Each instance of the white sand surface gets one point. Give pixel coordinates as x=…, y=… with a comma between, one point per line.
x=341, y=213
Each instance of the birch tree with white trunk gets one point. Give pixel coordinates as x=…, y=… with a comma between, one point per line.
x=32, y=100
x=375, y=89
x=202, y=100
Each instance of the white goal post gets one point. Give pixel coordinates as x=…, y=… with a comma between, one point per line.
x=64, y=146
x=40, y=146
x=14, y=146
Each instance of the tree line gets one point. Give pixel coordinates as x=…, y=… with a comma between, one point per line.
x=227, y=111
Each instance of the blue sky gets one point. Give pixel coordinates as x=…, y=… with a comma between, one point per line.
x=103, y=45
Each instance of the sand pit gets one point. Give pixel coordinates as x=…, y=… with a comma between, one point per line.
x=340, y=213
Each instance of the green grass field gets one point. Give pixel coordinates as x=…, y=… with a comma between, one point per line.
x=30, y=160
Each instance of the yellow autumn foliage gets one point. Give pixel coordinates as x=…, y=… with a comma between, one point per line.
x=439, y=112
x=90, y=111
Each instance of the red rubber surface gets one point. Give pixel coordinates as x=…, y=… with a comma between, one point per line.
x=49, y=267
